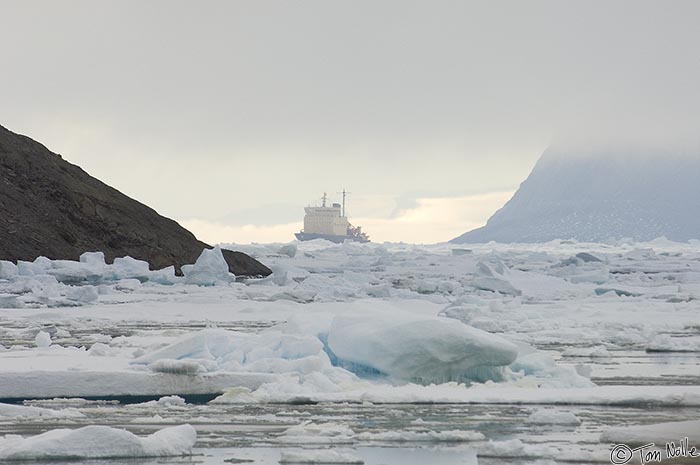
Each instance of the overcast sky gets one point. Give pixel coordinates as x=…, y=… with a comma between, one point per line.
x=231, y=116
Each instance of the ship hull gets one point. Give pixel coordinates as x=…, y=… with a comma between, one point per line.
x=302, y=236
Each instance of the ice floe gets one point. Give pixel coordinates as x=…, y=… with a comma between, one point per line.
x=24, y=411
x=321, y=456
x=454, y=436
x=98, y=442
x=553, y=417
x=658, y=433
x=313, y=433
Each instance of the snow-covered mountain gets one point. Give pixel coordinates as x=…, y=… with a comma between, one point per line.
x=599, y=195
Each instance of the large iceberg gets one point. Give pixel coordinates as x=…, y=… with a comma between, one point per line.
x=423, y=349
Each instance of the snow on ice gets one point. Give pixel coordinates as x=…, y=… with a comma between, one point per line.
x=98, y=442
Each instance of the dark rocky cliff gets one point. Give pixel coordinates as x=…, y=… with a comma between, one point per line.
x=53, y=208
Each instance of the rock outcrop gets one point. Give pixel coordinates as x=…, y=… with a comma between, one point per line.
x=50, y=207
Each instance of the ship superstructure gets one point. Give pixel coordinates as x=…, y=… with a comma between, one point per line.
x=330, y=223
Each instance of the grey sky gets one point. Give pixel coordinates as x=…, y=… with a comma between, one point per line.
x=243, y=112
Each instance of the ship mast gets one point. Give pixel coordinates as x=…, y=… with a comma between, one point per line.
x=344, y=194
x=324, y=199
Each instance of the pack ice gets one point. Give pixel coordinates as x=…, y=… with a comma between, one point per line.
x=67, y=283
x=339, y=322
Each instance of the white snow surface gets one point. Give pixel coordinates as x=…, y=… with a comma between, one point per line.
x=96, y=442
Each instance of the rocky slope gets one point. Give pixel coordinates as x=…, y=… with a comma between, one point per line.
x=600, y=195
x=53, y=208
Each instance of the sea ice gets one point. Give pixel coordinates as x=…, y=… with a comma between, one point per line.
x=97, y=442
x=548, y=373
x=8, y=269
x=100, y=349
x=92, y=270
x=322, y=456
x=38, y=267
x=164, y=276
x=24, y=411
x=388, y=294
x=553, y=417
x=587, y=257
x=422, y=436
x=657, y=433
x=666, y=343
x=42, y=339
x=221, y=350
x=422, y=349
x=593, y=352
x=83, y=294
x=209, y=269
x=130, y=268
x=317, y=433
x=289, y=250
x=164, y=402
x=494, y=279
x=516, y=448
x=94, y=259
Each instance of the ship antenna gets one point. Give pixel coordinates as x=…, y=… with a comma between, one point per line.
x=324, y=199
x=344, y=194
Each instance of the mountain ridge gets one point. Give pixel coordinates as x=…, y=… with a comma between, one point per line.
x=598, y=195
